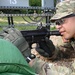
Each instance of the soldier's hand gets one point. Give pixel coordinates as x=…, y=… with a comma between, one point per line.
x=45, y=48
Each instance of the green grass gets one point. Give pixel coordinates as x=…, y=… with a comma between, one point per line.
x=26, y=27
x=19, y=21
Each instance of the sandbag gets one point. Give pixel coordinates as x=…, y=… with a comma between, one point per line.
x=12, y=61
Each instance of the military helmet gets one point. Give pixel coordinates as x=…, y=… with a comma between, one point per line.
x=64, y=9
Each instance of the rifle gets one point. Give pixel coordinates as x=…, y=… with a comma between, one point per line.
x=38, y=35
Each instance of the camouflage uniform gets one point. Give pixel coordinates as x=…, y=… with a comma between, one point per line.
x=63, y=60
x=62, y=63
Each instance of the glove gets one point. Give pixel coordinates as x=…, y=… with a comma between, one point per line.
x=46, y=48
x=14, y=36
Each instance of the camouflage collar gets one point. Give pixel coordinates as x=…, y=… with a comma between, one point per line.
x=73, y=43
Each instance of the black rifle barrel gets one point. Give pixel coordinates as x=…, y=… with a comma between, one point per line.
x=57, y=33
x=35, y=36
x=39, y=33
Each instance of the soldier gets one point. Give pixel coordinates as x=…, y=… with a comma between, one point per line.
x=58, y=60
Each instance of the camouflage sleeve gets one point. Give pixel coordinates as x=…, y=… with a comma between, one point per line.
x=44, y=67
x=63, y=52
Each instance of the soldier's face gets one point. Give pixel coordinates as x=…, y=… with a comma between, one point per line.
x=67, y=28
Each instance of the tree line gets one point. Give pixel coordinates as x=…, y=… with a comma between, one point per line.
x=38, y=2
x=35, y=2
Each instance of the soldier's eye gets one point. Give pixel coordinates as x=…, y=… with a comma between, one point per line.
x=59, y=22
